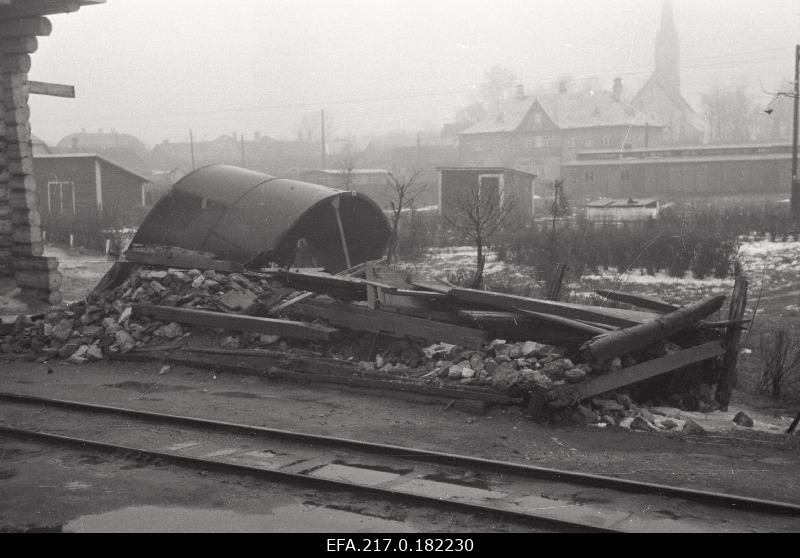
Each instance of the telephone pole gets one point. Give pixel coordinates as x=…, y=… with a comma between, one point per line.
x=191, y=146
x=795, y=180
x=242, y=137
x=323, y=138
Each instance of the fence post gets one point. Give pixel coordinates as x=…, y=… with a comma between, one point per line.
x=727, y=379
x=555, y=282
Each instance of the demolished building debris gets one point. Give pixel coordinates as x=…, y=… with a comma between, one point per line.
x=203, y=295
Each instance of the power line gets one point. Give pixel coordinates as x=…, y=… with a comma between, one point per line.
x=421, y=93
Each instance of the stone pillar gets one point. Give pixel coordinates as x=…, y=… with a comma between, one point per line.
x=37, y=276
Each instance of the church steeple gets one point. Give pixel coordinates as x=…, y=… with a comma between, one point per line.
x=668, y=50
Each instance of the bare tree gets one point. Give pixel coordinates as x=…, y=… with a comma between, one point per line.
x=780, y=352
x=347, y=165
x=478, y=213
x=403, y=190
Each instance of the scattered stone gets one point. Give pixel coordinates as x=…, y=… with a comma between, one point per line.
x=743, y=419
x=668, y=424
x=530, y=348
x=624, y=400
x=164, y=370
x=691, y=428
x=268, y=339
x=125, y=341
x=641, y=424
x=584, y=415
x=171, y=331
x=231, y=342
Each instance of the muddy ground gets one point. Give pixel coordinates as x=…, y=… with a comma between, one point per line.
x=49, y=488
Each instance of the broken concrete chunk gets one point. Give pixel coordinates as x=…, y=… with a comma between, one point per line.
x=126, y=313
x=170, y=331
x=238, y=300
x=94, y=352
x=268, y=339
x=691, y=428
x=584, y=415
x=125, y=341
x=642, y=425
x=530, y=348
x=743, y=420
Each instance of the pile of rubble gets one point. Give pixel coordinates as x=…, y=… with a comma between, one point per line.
x=103, y=323
x=566, y=359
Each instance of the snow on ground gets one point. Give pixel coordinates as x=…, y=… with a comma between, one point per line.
x=773, y=269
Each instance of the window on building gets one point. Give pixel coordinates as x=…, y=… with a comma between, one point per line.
x=529, y=144
x=538, y=141
x=606, y=140
x=625, y=174
x=476, y=146
x=61, y=198
x=588, y=176
x=548, y=141
x=588, y=142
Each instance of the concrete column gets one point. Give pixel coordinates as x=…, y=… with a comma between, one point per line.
x=37, y=276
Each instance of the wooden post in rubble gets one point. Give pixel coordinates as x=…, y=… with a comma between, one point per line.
x=554, y=289
x=20, y=223
x=728, y=379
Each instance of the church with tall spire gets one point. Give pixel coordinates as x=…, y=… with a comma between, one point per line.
x=660, y=98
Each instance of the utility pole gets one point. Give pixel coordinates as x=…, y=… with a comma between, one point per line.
x=795, y=181
x=323, y=138
x=191, y=146
x=242, y=137
x=419, y=149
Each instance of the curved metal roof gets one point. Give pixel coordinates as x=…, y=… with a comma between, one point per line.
x=246, y=216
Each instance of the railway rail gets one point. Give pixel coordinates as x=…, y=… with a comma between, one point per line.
x=540, y=497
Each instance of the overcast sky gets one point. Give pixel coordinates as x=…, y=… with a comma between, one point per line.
x=156, y=68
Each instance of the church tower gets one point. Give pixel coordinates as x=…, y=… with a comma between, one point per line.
x=667, y=69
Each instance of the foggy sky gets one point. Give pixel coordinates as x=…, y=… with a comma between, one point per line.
x=156, y=68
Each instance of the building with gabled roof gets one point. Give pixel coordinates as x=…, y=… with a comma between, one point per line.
x=537, y=133
x=74, y=188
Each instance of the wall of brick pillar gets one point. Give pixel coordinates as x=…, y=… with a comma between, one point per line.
x=21, y=246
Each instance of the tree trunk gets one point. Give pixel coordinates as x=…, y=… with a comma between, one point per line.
x=477, y=280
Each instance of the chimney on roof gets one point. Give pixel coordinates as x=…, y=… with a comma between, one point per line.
x=562, y=86
x=617, y=93
x=520, y=91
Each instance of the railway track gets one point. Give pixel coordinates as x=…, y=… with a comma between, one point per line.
x=540, y=497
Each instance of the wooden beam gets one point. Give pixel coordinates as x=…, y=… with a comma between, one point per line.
x=25, y=27
x=392, y=324
x=51, y=89
x=181, y=259
x=554, y=289
x=355, y=270
x=30, y=8
x=235, y=322
x=618, y=318
x=564, y=322
x=728, y=379
x=642, y=371
x=610, y=344
x=646, y=302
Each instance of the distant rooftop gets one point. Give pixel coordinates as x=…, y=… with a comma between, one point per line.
x=622, y=203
